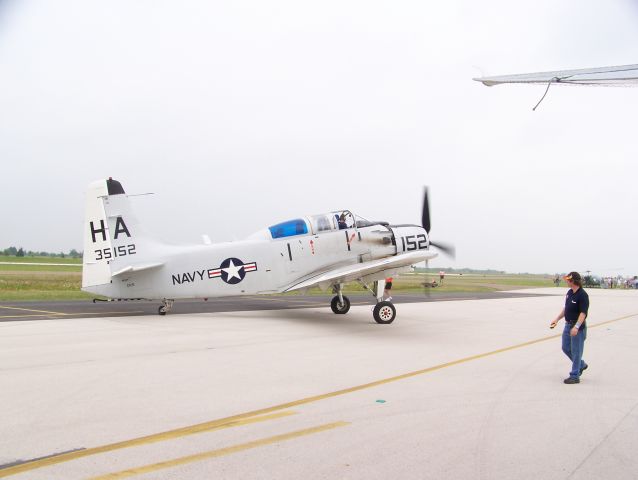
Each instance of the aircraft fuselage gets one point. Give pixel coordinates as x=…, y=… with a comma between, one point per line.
x=258, y=265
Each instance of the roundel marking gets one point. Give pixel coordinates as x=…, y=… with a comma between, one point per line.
x=232, y=270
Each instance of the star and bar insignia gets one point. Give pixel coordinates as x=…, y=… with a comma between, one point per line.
x=232, y=270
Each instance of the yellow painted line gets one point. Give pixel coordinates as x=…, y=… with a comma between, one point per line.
x=220, y=452
x=107, y=313
x=157, y=437
x=263, y=411
x=71, y=314
x=31, y=310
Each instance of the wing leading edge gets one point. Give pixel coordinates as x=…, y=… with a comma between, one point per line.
x=357, y=271
x=623, y=75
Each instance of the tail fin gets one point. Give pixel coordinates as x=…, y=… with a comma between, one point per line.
x=113, y=237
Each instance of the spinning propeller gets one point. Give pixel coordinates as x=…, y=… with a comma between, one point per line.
x=427, y=224
x=446, y=248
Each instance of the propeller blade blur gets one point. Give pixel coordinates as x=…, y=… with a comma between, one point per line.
x=445, y=248
x=425, y=214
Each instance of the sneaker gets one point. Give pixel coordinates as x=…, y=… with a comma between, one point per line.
x=571, y=380
x=583, y=369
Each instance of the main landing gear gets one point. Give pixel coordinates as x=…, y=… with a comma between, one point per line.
x=384, y=311
x=340, y=304
x=166, y=307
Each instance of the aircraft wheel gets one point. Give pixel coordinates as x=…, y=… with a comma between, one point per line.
x=384, y=312
x=338, y=308
x=162, y=310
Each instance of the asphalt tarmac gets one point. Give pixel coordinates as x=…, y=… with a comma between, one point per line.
x=458, y=389
x=24, y=311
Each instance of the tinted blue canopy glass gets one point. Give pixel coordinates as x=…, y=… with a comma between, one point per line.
x=289, y=228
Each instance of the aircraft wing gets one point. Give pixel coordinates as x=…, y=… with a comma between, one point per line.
x=356, y=271
x=623, y=75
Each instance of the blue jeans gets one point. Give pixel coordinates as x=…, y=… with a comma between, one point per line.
x=573, y=348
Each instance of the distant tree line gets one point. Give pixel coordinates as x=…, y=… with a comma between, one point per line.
x=21, y=252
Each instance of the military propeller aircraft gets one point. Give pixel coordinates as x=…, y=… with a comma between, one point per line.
x=122, y=261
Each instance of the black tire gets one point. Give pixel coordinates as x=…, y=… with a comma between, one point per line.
x=384, y=312
x=162, y=310
x=340, y=309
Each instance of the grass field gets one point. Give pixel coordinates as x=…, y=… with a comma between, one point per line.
x=41, y=285
x=7, y=258
x=41, y=282
x=473, y=282
x=26, y=264
x=51, y=282
x=25, y=267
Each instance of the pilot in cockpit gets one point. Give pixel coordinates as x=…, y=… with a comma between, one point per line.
x=342, y=221
x=345, y=220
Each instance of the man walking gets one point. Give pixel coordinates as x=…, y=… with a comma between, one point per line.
x=575, y=332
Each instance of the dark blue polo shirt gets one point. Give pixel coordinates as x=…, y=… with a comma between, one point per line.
x=575, y=303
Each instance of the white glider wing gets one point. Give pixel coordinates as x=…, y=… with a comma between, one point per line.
x=624, y=75
x=356, y=271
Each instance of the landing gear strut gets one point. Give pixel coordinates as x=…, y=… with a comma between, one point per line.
x=340, y=304
x=166, y=307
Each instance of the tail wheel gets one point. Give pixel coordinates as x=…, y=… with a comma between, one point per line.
x=167, y=305
x=384, y=312
x=340, y=308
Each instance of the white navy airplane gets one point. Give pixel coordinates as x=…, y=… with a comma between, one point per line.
x=122, y=261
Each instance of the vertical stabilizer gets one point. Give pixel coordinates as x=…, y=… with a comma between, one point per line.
x=95, y=271
x=113, y=237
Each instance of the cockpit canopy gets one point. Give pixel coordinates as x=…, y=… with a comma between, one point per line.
x=326, y=222
x=289, y=228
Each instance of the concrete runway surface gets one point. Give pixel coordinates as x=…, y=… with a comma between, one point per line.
x=454, y=390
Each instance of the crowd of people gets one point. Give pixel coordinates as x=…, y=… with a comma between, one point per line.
x=605, y=282
x=619, y=282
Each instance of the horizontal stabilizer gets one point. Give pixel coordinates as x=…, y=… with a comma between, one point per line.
x=136, y=268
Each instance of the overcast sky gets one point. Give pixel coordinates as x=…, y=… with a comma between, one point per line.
x=241, y=114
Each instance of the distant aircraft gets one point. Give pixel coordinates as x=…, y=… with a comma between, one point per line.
x=122, y=261
x=619, y=76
